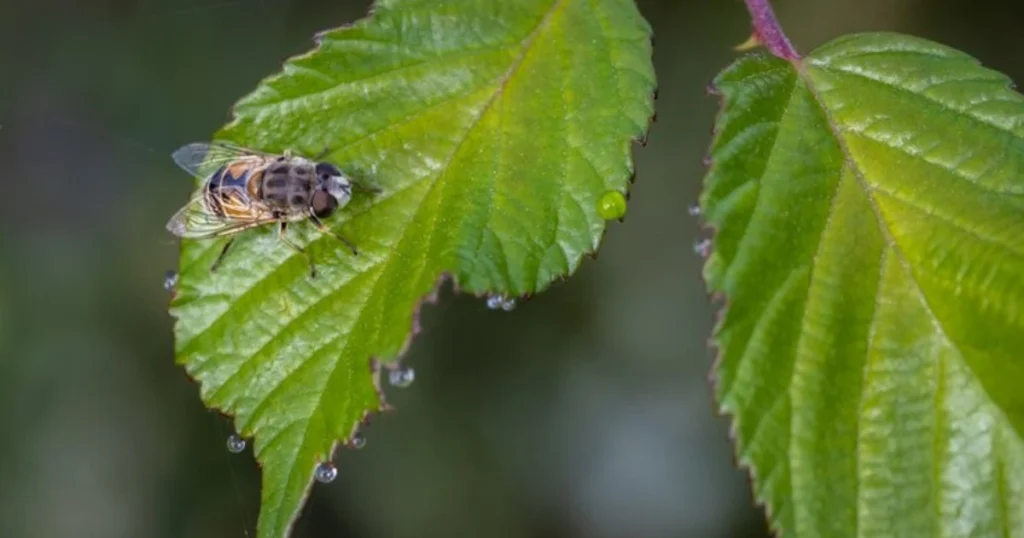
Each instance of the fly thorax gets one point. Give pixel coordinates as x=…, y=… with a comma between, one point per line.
x=287, y=186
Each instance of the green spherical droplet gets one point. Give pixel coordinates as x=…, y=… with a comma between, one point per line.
x=611, y=205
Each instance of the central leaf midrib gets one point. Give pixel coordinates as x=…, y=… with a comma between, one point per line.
x=316, y=408
x=500, y=85
x=889, y=237
x=804, y=331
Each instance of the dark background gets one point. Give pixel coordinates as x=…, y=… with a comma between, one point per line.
x=585, y=412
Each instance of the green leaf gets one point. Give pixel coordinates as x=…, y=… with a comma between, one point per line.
x=492, y=129
x=869, y=208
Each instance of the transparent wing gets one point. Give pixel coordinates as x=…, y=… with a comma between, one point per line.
x=203, y=158
x=194, y=221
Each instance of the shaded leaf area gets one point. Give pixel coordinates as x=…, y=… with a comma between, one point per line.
x=491, y=128
x=868, y=203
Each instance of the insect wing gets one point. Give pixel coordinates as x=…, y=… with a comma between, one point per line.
x=202, y=158
x=195, y=221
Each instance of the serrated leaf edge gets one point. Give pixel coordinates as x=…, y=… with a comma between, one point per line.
x=720, y=297
x=377, y=366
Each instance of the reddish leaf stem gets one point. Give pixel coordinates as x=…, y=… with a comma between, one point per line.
x=768, y=31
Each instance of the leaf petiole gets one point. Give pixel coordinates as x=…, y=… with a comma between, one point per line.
x=768, y=31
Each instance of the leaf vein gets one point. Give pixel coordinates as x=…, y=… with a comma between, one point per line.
x=866, y=383
x=923, y=157
x=949, y=219
x=744, y=236
x=341, y=84
x=884, y=227
x=946, y=107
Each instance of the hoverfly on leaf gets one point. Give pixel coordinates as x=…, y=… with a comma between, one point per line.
x=244, y=188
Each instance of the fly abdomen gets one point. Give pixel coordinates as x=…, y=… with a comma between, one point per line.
x=215, y=178
x=213, y=197
x=235, y=175
x=226, y=187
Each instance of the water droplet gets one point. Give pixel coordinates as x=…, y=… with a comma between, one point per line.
x=357, y=441
x=694, y=209
x=170, y=280
x=707, y=161
x=235, y=444
x=325, y=472
x=402, y=377
x=702, y=247
x=611, y=205
x=494, y=302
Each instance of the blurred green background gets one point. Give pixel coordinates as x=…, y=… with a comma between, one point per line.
x=586, y=412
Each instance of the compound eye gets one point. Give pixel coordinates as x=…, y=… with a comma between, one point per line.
x=327, y=171
x=323, y=204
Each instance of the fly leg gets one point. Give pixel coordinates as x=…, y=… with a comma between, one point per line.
x=325, y=230
x=300, y=250
x=220, y=257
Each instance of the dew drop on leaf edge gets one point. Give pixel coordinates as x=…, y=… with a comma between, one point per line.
x=236, y=444
x=611, y=205
x=702, y=247
x=402, y=377
x=170, y=280
x=358, y=441
x=694, y=210
x=325, y=472
x=495, y=302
